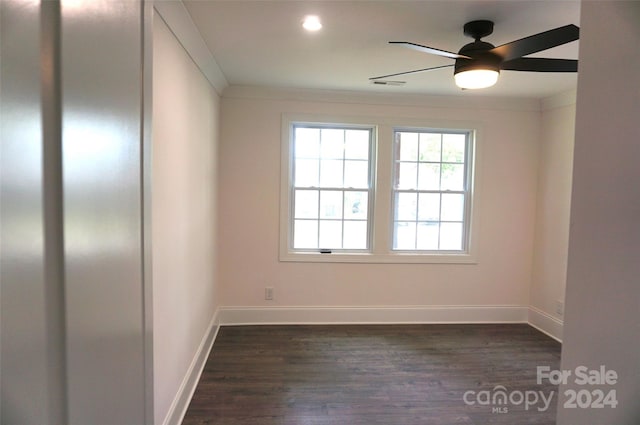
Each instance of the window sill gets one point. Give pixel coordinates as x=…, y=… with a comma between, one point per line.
x=389, y=258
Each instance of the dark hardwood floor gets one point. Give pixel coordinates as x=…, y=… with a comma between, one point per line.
x=387, y=375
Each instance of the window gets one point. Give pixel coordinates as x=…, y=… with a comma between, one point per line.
x=331, y=188
x=380, y=190
x=431, y=190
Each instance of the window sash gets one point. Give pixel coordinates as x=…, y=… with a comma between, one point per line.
x=402, y=185
x=320, y=189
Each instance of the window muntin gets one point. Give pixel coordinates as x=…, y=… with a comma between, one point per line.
x=331, y=189
x=431, y=187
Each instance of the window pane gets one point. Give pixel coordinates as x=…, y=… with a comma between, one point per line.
x=452, y=207
x=452, y=177
x=429, y=177
x=408, y=146
x=305, y=234
x=451, y=236
x=307, y=143
x=330, y=234
x=306, y=173
x=331, y=173
x=429, y=207
x=355, y=235
x=331, y=204
x=404, y=235
x=356, y=205
x=430, y=147
x=428, y=236
x=407, y=175
x=406, y=206
x=356, y=174
x=306, y=204
x=453, y=147
x=332, y=143
x=356, y=144
x=331, y=184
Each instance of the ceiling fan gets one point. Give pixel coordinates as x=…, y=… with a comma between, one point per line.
x=478, y=64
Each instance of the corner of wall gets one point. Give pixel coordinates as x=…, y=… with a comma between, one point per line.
x=559, y=100
x=557, y=122
x=546, y=323
x=178, y=19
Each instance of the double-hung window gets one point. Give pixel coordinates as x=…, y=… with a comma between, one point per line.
x=388, y=192
x=331, y=188
x=431, y=190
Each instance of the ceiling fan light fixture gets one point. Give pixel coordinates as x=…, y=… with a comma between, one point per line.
x=478, y=64
x=476, y=78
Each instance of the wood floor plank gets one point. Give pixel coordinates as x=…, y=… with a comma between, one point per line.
x=366, y=374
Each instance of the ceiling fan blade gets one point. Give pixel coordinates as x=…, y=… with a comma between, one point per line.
x=410, y=72
x=541, y=65
x=538, y=42
x=430, y=50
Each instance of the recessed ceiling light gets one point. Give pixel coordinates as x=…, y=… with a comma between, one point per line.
x=311, y=23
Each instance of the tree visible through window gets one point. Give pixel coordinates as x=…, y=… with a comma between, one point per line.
x=431, y=190
x=331, y=191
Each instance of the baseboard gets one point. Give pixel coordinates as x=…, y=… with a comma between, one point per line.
x=230, y=316
x=546, y=323
x=178, y=408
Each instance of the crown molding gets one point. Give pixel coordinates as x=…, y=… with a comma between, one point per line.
x=175, y=15
x=377, y=98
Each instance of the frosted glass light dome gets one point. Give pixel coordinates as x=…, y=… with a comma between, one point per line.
x=476, y=78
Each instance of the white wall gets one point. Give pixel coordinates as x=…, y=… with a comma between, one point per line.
x=552, y=211
x=602, y=320
x=185, y=126
x=249, y=207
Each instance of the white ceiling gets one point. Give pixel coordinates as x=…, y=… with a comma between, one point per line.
x=262, y=43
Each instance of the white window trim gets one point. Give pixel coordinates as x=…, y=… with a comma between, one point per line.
x=382, y=214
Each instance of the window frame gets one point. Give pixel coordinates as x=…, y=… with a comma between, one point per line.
x=381, y=206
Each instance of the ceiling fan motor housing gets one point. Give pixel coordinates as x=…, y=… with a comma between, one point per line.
x=481, y=57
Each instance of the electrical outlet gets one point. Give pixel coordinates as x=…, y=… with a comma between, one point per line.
x=268, y=293
x=560, y=307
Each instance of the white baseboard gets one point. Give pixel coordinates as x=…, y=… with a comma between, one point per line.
x=230, y=316
x=178, y=408
x=546, y=323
